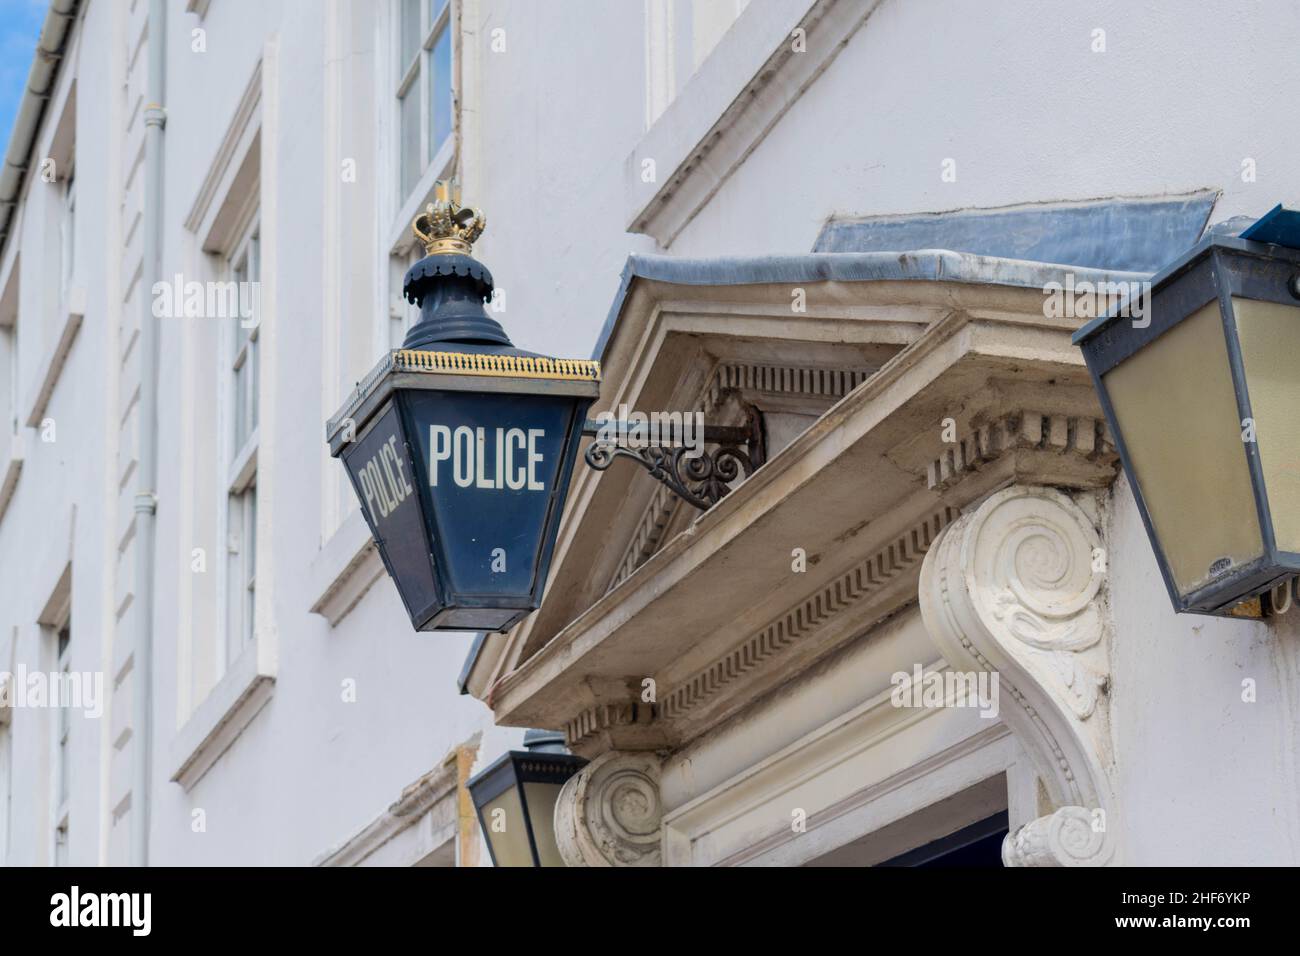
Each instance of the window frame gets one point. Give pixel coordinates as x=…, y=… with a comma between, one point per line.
x=10, y=390
x=416, y=76
x=68, y=233
x=61, y=741
x=8, y=385
x=401, y=314
x=240, y=372
x=392, y=321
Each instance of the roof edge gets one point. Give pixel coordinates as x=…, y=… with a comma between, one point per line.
x=921, y=265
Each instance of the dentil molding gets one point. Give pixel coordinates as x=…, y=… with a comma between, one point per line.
x=1016, y=587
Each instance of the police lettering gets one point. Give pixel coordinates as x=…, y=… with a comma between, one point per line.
x=507, y=459
x=383, y=480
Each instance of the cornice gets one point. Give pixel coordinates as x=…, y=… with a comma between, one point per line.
x=240, y=133
x=715, y=618
x=662, y=360
x=1084, y=438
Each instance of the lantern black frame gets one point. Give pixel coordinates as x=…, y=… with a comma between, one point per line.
x=400, y=373
x=514, y=769
x=1217, y=269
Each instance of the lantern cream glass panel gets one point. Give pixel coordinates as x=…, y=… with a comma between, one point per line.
x=1200, y=387
x=1269, y=333
x=515, y=800
x=1176, y=408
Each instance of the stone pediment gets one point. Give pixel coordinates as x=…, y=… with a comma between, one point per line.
x=909, y=387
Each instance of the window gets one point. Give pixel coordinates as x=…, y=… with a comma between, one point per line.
x=244, y=269
x=401, y=314
x=58, y=204
x=62, y=762
x=68, y=232
x=424, y=93
x=8, y=385
x=680, y=35
x=8, y=365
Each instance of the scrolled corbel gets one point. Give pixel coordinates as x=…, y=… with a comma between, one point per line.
x=610, y=813
x=1068, y=837
x=1015, y=587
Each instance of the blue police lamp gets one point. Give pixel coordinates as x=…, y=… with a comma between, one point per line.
x=460, y=446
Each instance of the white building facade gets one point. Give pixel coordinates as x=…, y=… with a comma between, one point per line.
x=838, y=215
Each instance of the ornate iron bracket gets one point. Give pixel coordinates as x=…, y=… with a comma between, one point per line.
x=702, y=480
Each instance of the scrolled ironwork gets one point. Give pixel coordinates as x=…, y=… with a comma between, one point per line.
x=702, y=480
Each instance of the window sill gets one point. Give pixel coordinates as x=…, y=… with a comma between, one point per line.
x=11, y=467
x=244, y=466
x=57, y=357
x=344, y=569
x=422, y=821
x=229, y=707
x=399, y=235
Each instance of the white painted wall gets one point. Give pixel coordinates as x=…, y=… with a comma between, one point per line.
x=309, y=770
x=58, y=513
x=1203, y=776
x=1011, y=91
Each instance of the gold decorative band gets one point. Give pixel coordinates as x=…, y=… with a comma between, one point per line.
x=513, y=366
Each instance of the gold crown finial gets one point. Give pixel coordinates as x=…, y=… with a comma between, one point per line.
x=446, y=226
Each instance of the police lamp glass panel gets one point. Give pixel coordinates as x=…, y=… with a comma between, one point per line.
x=1200, y=392
x=460, y=446
x=515, y=801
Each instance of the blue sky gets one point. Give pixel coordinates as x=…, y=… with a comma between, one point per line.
x=20, y=26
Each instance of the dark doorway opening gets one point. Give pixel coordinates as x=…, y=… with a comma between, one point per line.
x=977, y=845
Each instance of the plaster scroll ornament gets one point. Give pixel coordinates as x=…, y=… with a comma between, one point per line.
x=610, y=813
x=1016, y=587
x=1068, y=837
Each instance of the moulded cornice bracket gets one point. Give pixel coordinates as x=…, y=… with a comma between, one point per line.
x=1015, y=588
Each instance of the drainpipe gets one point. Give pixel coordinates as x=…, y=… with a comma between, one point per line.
x=146, y=498
x=27, y=123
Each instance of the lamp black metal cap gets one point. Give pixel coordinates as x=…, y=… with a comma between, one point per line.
x=450, y=289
